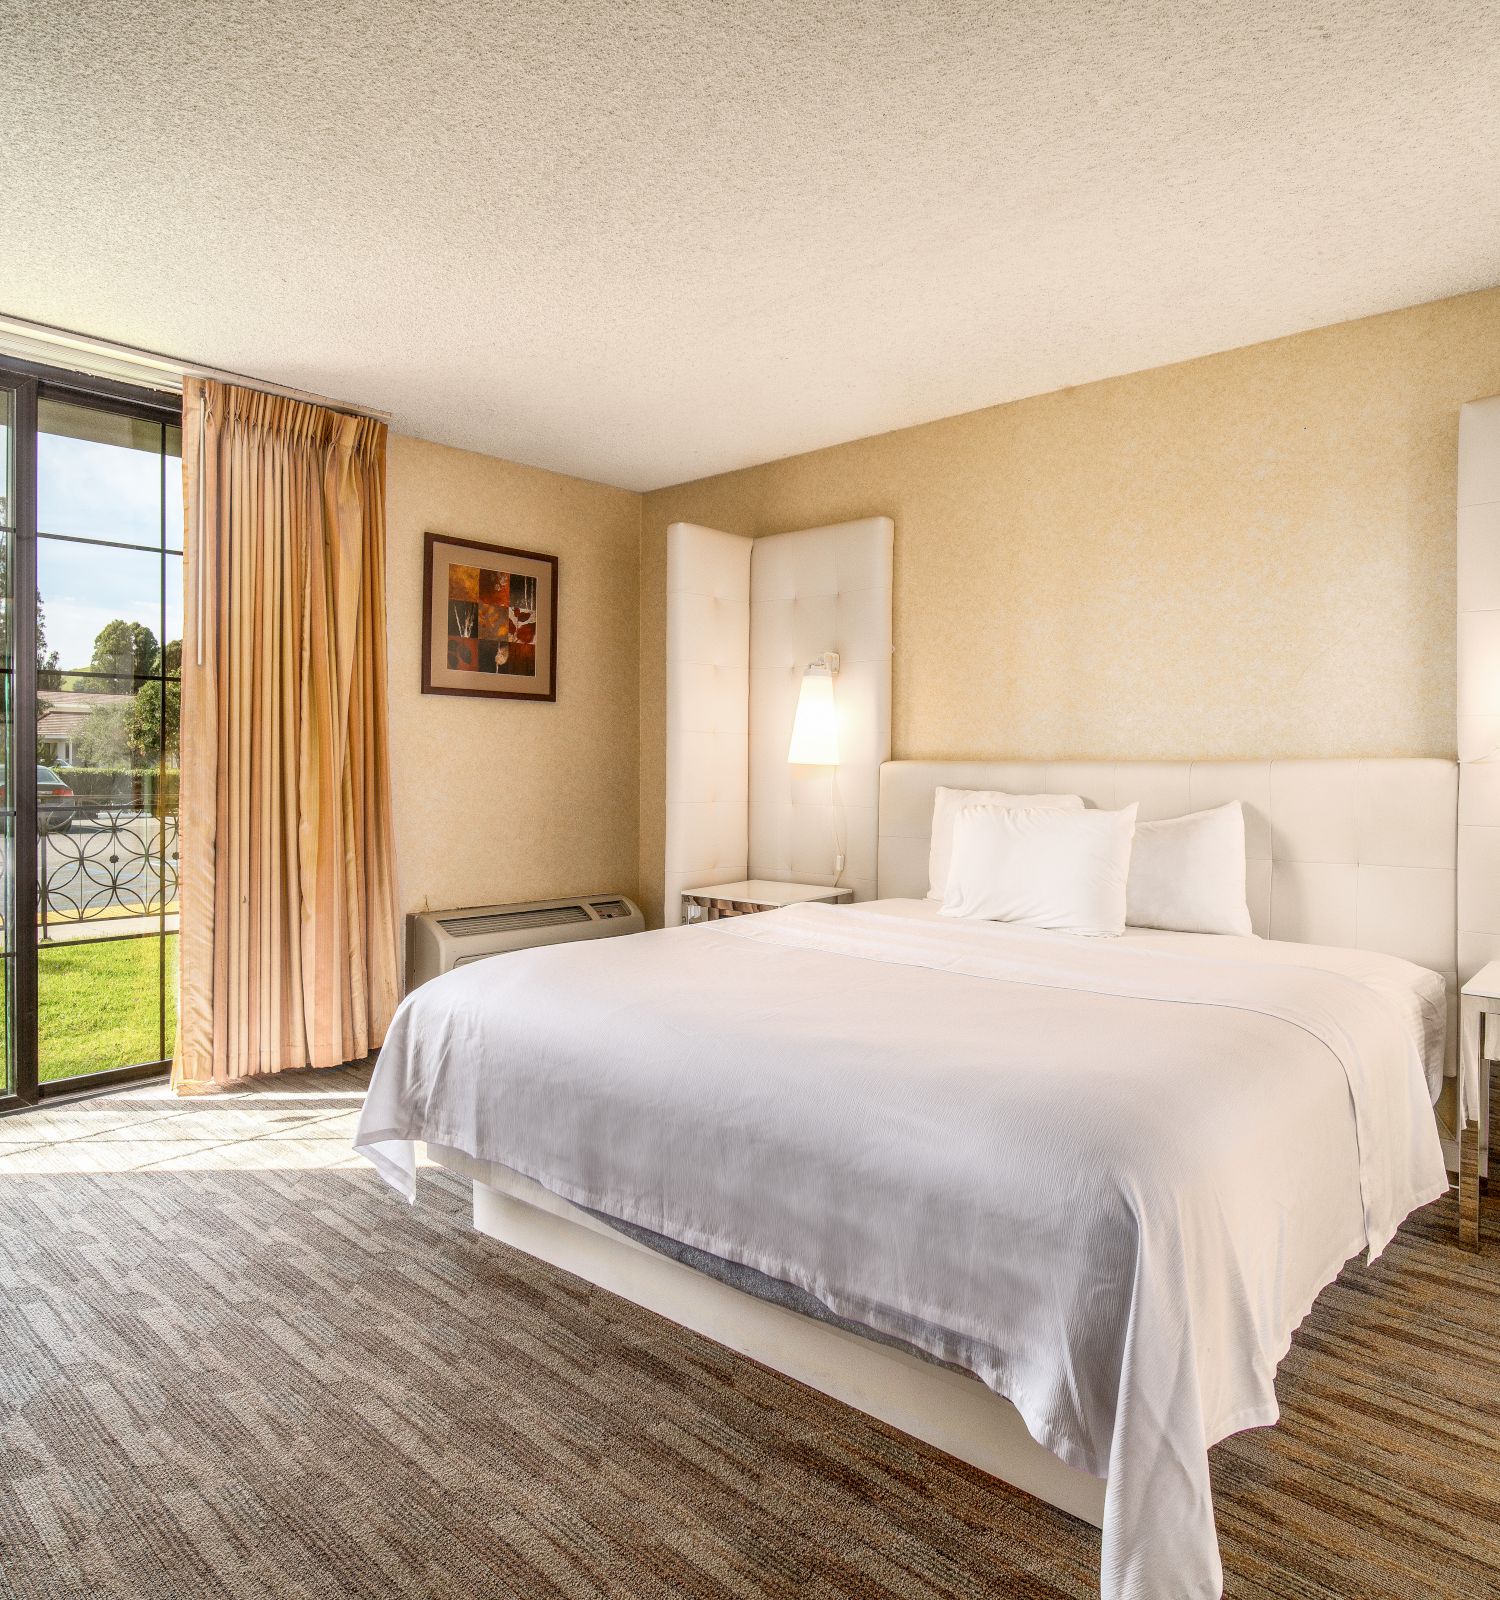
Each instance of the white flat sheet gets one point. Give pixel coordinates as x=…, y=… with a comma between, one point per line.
x=1116, y=1172
x=1418, y=993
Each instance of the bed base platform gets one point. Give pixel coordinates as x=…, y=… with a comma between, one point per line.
x=944, y=1408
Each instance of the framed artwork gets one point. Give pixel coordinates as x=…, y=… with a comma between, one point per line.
x=489, y=624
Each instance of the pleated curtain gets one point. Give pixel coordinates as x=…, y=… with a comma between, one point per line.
x=288, y=943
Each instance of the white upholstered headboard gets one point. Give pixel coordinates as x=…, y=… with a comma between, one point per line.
x=816, y=590
x=744, y=618
x=1357, y=853
x=707, y=710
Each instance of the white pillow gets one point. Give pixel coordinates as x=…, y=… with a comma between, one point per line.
x=947, y=803
x=1048, y=868
x=1188, y=873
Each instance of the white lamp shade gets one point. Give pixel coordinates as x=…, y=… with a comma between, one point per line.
x=815, y=731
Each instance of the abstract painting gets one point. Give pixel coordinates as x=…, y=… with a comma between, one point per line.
x=490, y=620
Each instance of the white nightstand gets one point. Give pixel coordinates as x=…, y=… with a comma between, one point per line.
x=1479, y=1003
x=757, y=894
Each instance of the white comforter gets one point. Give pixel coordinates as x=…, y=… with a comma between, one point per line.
x=1109, y=1176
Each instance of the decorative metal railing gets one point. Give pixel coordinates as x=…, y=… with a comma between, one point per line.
x=113, y=862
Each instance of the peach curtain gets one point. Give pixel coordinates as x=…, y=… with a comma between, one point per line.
x=288, y=940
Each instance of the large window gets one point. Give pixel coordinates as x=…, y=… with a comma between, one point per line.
x=92, y=537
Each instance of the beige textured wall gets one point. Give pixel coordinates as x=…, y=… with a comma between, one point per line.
x=1246, y=555
x=502, y=802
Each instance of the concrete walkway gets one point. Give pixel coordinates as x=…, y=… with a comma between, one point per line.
x=60, y=932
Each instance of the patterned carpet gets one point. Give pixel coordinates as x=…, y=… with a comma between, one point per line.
x=233, y=1365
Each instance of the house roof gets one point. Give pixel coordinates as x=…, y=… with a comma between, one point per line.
x=68, y=709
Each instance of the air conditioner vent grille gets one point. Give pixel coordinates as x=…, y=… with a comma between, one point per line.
x=439, y=941
x=511, y=921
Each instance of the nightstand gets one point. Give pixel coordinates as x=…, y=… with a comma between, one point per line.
x=717, y=900
x=1480, y=1002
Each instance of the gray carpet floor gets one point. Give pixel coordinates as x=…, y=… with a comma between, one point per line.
x=233, y=1365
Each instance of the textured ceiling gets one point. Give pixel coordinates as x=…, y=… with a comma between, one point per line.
x=648, y=240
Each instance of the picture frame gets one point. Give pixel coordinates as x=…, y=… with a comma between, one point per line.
x=489, y=620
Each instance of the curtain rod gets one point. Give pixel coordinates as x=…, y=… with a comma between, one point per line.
x=104, y=358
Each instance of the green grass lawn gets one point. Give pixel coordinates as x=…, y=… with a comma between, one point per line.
x=99, y=1004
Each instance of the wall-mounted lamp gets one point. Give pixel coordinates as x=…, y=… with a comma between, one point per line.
x=815, y=730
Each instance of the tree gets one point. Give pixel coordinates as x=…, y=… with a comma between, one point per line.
x=47, y=675
x=124, y=651
x=103, y=740
x=144, y=729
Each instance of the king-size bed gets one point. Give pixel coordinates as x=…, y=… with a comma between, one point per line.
x=891, y=1151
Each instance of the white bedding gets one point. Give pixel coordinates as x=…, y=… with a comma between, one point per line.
x=1110, y=1176
x=1418, y=994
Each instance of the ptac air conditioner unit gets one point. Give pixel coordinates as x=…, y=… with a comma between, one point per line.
x=439, y=941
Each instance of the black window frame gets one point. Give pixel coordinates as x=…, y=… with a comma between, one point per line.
x=31, y=383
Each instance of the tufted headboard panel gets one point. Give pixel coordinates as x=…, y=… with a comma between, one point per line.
x=708, y=709
x=744, y=618
x=815, y=590
x=1357, y=853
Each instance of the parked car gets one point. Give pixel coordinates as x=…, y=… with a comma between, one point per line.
x=55, y=803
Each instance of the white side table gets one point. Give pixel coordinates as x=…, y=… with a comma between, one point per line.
x=1479, y=1007
x=749, y=895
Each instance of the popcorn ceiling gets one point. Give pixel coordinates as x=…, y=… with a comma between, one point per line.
x=647, y=242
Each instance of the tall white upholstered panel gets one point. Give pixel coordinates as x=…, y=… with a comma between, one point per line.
x=1478, y=685
x=708, y=716
x=812, y=591
x=1356, y=853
